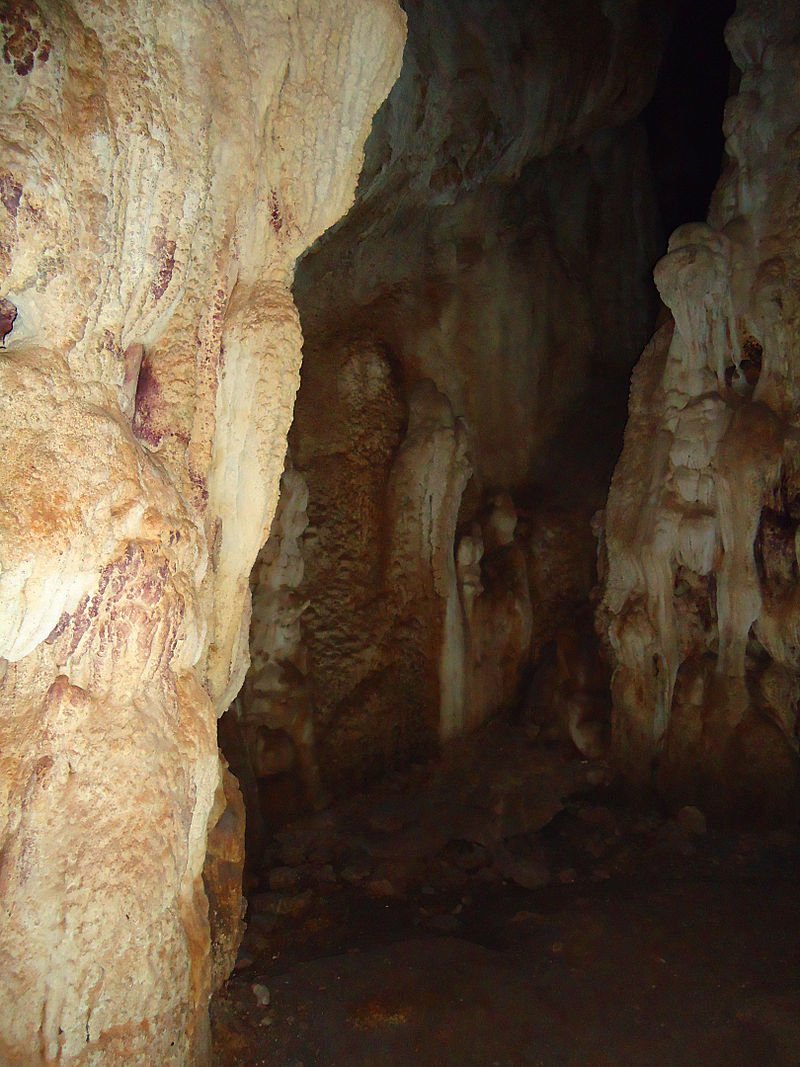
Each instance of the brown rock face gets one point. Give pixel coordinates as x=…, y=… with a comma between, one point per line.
x=162, y=168
x=498, y=251
x=700, y=602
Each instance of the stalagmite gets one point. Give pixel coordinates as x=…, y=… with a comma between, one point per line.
x=163, y=165
x=703, y=510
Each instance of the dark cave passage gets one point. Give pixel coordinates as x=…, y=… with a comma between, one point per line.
x=684, y=116
x=399, y=533
x=499, y=908
x=514, y=284
x=448, y=867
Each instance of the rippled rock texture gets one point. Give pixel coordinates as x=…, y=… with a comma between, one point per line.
x=162, y=168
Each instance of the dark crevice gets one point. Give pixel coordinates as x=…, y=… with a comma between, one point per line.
x=684, y=117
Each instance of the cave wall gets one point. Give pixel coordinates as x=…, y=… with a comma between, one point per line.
x=162, y=168
x=701, y=604
x=499, y=252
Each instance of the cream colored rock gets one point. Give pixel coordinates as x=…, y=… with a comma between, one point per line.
x=428, y=478
x=700, y=597
x=162, y=167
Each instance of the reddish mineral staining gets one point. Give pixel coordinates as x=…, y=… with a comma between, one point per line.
x=148, y=398
x=23, y=40
x=275, y=212
x=10, y=193
x=199, y=485
x=8, y=314
x=58, y=629
x=166, y=267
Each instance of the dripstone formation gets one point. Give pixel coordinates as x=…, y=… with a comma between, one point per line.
x=163, y=165
x=701, y=598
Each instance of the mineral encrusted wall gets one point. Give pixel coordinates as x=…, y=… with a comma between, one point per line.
x=162, y=168
x=499, y=250
x=701, y=604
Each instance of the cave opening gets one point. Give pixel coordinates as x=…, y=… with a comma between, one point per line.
x=443, y=863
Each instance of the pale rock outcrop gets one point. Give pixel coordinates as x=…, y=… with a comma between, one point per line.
x=428, y=477
x=163, y=165
x=700, y=601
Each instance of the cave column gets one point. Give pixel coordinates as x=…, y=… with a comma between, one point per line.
x=162, y=168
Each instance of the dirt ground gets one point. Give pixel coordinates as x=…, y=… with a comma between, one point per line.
x=501, y=908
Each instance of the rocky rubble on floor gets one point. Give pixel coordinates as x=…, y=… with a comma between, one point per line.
x=427, y=845
x=475, y=849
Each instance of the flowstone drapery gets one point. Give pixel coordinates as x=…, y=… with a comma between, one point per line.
x=162, y=168
x=701, y=603
x=498, y=252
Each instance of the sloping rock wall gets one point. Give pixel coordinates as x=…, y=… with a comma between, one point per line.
x=162, y=168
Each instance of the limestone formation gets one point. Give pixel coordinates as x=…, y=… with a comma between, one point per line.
x=274, y=712
x=163, y=165
x=700, y=602
x=500, y=248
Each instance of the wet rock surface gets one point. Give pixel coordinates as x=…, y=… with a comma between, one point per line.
x=449, y=919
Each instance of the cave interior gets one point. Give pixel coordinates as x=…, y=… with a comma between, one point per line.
x=400, y=533
x=470, y=328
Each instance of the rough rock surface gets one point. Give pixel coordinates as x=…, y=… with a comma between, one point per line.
x=500, y=248
x=504, y=228
x=162, y=168
x=487, y=909
x=701, y=604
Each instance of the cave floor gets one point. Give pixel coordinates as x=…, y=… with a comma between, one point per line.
x=445, y=918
